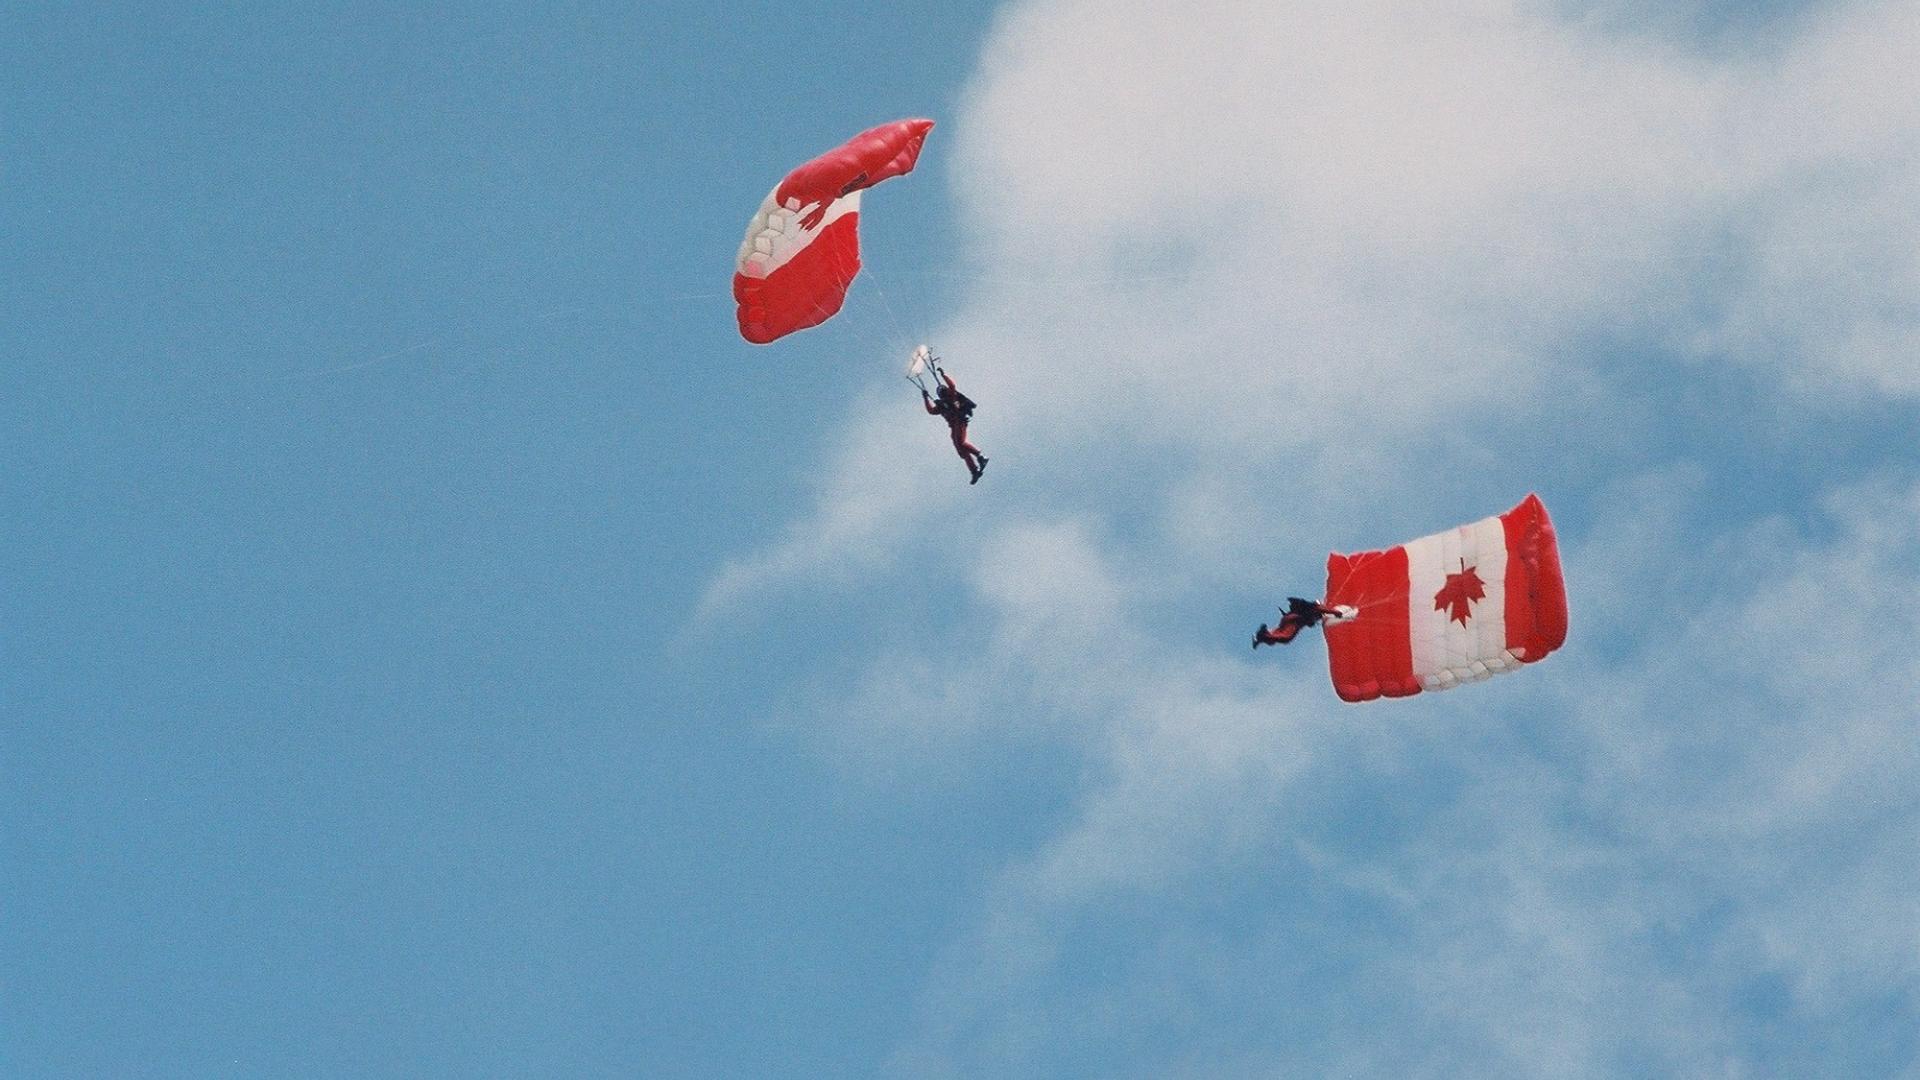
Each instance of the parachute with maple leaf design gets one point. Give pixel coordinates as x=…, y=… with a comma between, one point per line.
x=1454, y=607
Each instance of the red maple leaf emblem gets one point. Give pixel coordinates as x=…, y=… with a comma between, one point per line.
x=1459, y=593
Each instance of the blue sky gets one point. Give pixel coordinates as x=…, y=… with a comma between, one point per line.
x=436, y=645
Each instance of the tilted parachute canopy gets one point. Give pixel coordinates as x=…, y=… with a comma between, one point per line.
x=803, y=248
x=1449, y=608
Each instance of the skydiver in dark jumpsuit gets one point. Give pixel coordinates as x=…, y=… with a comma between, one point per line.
x=956, y=409
x=1298, y=615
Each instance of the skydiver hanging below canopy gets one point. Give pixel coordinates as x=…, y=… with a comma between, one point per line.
x=949, y=404
x=1295, y=617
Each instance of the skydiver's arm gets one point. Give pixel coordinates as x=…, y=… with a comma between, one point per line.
x=928, y=402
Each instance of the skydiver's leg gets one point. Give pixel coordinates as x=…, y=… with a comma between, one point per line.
x=967, y=451
x=1279, y=635
x=970, y=454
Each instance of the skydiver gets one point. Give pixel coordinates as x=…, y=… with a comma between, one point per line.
x=1297, y=616
x=956, y=409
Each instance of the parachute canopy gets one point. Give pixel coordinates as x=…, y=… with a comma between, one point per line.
x=803, y=249
x=1449, y=608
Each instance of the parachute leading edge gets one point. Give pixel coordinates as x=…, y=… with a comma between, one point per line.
x=802, y=248
x=1454, y=607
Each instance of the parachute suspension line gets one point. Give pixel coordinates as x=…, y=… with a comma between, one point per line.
x=1341, y=583
x=919, y=382
x=866, y=327
x=916, y=305
x=899, y=327
x=871, y=330
x=1360, y=609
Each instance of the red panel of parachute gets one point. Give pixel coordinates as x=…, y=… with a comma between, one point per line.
x=1536, y=591
x=1370, y=656
x=1404, y=639
x=807, y=291
x=809, y=252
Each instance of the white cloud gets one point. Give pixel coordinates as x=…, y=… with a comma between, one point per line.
x=1620, y=848
x=871, y=497
x=1786, y=769
x=1317, y=235
x=1258, y=280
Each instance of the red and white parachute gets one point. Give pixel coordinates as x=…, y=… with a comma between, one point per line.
x=1449, y=608
x=802, y=249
